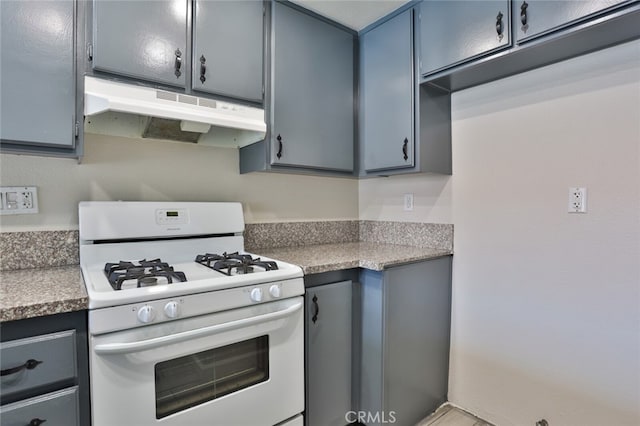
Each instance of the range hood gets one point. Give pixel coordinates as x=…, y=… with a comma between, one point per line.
x=123, y=109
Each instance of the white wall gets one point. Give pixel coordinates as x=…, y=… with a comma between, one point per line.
x=546, y=304
x=117, y=168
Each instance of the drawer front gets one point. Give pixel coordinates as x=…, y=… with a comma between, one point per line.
x=56, y=409
x=46, y=359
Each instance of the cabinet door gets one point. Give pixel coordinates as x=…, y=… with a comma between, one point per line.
x=404, y=356
x=416, y=331
x=141, y=39
x=56, y=408
x=328, y=322
x=538, y=17
x=227, y=48
x=37, y=72
x=387, y=94
x=312, y=92
x=452, y=32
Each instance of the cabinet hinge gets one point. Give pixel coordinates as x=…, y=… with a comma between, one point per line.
x=263, y=90
x=90, y=52
x=77, y=129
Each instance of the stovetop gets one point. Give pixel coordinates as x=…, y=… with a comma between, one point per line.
x=122, y=273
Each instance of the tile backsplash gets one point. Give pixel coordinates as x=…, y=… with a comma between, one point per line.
x=38, y=249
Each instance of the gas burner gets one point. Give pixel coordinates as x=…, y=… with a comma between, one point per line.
x=229, y=263
x=145, y=273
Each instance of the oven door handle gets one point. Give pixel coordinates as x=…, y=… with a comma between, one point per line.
x=128, y=347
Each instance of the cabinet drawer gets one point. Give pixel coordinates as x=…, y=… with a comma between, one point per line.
x=57, y=409
x=55, y=352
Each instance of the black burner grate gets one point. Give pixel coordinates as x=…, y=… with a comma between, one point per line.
x=227, y=263
x=145, y=273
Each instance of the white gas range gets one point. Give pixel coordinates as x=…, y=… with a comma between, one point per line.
x=184, y=326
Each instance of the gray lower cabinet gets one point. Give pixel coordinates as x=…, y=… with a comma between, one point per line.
x=387, y=96
x=328, y=353
x=312, y=92
x=45, y=373
x=534, y=18
x=37, y=77
x=404, y=354
x=452, y=32
x=56, y=409
x=141, y=39
x=228, y=48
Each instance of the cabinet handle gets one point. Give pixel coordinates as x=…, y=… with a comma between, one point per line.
x=29, y=365
x=279, y=154
x=178, y=63
x=203, y=69
x=523, y=15
x=316, y=309
x=499, y=26
x=36, y=422
x=404, y=149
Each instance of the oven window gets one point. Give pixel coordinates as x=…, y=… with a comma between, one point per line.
x=190, y=380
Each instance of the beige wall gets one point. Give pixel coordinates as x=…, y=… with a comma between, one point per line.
x=383, y=198
x=116, y=168
x=546, y=311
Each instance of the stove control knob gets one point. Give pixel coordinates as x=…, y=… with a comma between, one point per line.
x=171, y=309
x=146, y=314
x=256, y=295
x=275, y=291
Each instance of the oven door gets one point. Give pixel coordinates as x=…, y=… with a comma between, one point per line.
x=238, y=367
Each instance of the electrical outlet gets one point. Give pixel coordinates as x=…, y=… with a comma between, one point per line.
x=577, y=200
x=19, y=200
x=408, y=202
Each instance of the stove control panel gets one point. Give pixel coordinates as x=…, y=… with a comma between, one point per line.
x=181, y=307
x=172, y=216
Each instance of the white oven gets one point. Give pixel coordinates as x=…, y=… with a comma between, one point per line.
x=185, y=328
x=239, y=367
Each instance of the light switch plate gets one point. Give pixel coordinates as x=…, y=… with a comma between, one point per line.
x=19, y=200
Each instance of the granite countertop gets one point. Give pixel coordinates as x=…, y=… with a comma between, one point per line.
x=28, y=293
x=314, y=259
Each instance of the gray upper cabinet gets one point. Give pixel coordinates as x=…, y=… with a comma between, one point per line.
x=404, y=127
x=312, y=92
x=538, y=17
x=452, y=32
x=141, y=39
x=37, y=74
x=387, y=95
x=228, y=48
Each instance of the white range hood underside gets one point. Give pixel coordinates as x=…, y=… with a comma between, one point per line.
x=119, y=109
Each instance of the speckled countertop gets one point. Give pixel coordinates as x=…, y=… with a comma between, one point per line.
x=314, y=259
x=28, y=293
x=47, y=288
